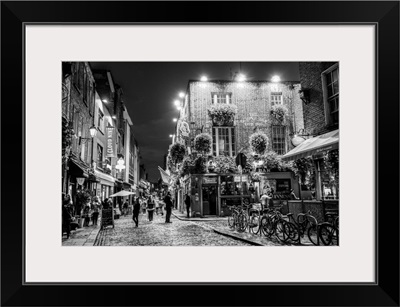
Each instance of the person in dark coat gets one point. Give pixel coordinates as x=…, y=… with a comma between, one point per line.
x=187, y=203
x=66, y=216
x=136, y=210
x=168, y=207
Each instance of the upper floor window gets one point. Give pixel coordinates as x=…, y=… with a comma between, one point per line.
x=330, y=81
x=279, y=139
x=99, y=155
x=224, y=141
x=276, y=98
x=100, y=122
x=221, y=98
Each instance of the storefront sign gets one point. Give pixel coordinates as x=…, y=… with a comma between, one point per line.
x=209, y=180
x=237, y=178
x=110, y=141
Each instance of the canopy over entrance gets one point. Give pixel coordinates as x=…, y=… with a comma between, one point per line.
x=323, y=142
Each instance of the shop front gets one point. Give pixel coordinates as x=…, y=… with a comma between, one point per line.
x=325, y=198
x=105, y=185
x=215, y=194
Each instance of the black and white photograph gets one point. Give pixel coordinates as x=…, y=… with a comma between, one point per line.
x=200, y=154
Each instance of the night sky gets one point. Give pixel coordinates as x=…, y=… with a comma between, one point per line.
x=150, y=89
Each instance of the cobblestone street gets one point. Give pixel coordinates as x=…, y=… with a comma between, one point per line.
x=159, y=233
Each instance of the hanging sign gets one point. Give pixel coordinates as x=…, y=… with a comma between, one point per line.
x=110, y=141
x=80, y=180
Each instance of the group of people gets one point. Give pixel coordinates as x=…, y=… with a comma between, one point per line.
x=152, y=203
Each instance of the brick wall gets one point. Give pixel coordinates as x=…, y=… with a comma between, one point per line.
x=314, y=111
x=254, y=107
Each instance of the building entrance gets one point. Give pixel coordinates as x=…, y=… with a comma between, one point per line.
x=209, y=199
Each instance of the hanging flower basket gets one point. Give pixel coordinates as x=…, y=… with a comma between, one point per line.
x=258, y=142
x=202, y=143
x=222, y=114
x=279, y=112
x=178, y=152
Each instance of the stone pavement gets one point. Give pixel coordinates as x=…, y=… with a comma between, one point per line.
x=85, y=236
x=159, y=233
x=220, y=226
x=183, y=231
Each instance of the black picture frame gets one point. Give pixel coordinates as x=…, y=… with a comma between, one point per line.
x=384, y=15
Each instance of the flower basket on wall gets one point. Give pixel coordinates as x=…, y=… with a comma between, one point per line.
x=203, y=143
x=279, y=113
x=258, y=142
x=178, y=152
x=222, y=114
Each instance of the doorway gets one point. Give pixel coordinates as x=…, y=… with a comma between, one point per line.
x=209, y=193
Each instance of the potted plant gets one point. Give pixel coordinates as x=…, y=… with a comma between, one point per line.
x=202, y=143
x=222, y=114
x=279, y=111
x=258, y=142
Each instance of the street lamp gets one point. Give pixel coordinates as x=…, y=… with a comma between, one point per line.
x=241, y=78
x=204, y=79
x=93, y=132
x=275, y=79
x=177, y=102
x=181, y=94
x=174, y=120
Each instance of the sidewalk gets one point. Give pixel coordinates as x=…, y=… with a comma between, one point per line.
x=220, y=226
x=85, y=236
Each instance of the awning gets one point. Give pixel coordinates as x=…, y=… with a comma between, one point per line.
x=315, y=145
x=105, y=178
x=77, y=167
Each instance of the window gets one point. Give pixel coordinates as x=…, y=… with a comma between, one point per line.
x=224, y=141
x=100, y=122
x=221, y=98
x=330, y=80
x=99, y=155
x=278, y=139
x=276, y=98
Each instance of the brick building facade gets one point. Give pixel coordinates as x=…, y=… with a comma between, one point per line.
x=254, y=101
x=316, y=77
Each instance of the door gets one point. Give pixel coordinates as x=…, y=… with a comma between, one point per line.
x=209, y=199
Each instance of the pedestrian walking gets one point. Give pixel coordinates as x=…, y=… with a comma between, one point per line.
x=157, y=204
x=136, y=210
x=125, y=208
x=86, y=215
x=187, y=203
x=96, y=210
x=168, y=207
x=143, y=204
x=150, y=208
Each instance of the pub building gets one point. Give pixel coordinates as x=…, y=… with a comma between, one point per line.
x=214, y=194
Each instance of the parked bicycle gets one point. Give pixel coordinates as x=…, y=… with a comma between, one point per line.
x=305, y=223
x=329, y=230
x=273, y=224
x=238, y=218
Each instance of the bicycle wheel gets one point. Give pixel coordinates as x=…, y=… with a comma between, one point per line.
x=280, y=230
x=241, y=223
x=292, y=232
x=254, y=223
x=267, y=226
x=328, y=234
x=312, y=234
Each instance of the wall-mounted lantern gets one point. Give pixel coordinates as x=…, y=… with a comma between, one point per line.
x=305, y=95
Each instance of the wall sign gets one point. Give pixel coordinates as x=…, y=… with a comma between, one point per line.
x=209, y=180
x=110, y=141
